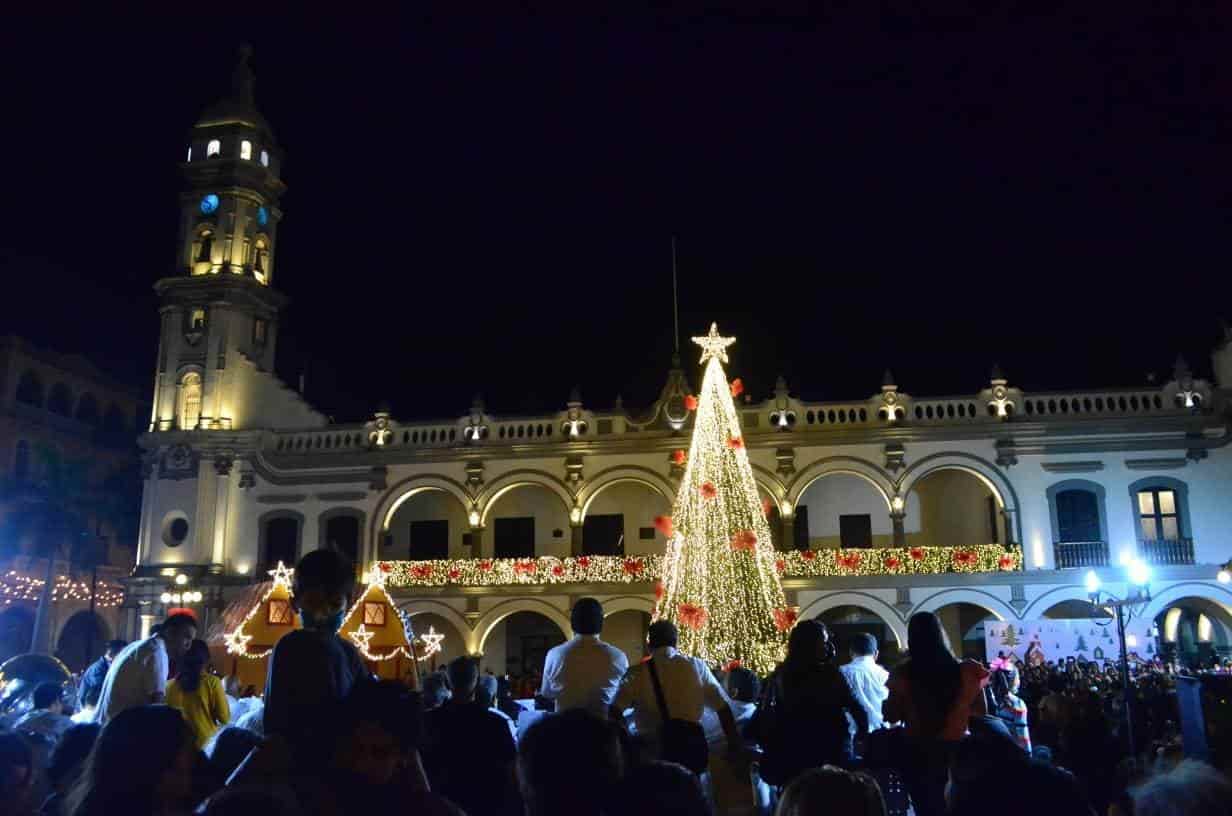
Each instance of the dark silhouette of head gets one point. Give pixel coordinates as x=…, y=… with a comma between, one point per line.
x=463, y=676
x=177, y=632
x=587, y=617
x=192, y=666
x=47, y=695
x=660, y=789
x=863, y=644
x=662, y=633
x=569, y=764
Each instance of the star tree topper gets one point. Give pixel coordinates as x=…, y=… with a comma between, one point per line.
x=713, y=345
x=282, y=575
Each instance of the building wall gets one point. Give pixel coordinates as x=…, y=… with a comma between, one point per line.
x=550, y=517
x=430, y=505
x=840, y=494
x=639, y=505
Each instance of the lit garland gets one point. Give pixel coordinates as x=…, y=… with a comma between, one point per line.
x=237, y=640
x=719, y=582
x=16, y=586
x=608, y=569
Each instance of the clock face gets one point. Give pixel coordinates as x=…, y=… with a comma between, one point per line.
x=262, y=216
x=209, y=203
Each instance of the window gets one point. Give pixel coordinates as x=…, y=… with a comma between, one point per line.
x=342, y=536
x=246, y=150
x=645, y=533
x=190, y=401
x=213, y=148
x=21, y=461
x=515, y=537
x=177, y=532
x=279, y=613
x=429, y=540
x=374, y=614
x=196, y=322
x=281, y=541
x=604, y=535
x=855, y=531
x=260, y=259
x=1158, y=516
x=801, y=531
x=265, y=158
x=1078, y=516
x=258, y=332
x=203, y=253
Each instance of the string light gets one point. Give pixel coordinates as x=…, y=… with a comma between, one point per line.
x=280, y=589
x=16, y=586
x=727, y=600
x=375, y=592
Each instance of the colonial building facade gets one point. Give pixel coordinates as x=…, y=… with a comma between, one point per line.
x=987, y=505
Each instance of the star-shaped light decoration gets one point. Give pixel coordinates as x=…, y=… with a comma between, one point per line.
x=713, y=345
x=376, y=576
x=237, y=642
x=282, y=575
x=361, y=636
x=431, y=643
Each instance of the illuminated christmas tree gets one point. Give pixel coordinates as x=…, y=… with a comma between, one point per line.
x=719, y=583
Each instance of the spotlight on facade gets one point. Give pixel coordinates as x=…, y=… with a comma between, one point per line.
x=243, y=567
x=473, y=518
x=1223, y=576
x=1092, y=582
x=1139, y=572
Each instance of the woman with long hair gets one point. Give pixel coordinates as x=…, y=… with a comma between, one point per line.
x=934, y=694
x=141, y=765
x=198, y=695
x=804, y=708
x=1010, y=708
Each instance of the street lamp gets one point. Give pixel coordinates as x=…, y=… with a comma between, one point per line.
x=1138, y=574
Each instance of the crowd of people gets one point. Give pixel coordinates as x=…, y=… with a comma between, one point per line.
x=829, y=731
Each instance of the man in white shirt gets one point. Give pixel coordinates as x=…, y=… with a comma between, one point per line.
x=138, y=675
x=689, y=689
x=866, y=679
x=584, y=672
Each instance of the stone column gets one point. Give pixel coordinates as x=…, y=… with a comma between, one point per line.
x=900, y=531
x=576, y=547
x=787, y=534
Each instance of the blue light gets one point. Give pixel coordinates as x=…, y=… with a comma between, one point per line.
x=209, y=203
x=262, y=216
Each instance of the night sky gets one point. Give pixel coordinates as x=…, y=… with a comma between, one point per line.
x=487, y=205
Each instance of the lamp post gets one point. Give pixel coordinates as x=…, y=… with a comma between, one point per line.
x=1139, y=593
x=180, y=592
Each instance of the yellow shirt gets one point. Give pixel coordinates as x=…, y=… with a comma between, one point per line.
x=204, y=709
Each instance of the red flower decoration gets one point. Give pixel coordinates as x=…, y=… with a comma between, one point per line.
x=735, y=442
x=692, y=615
x=421, y=571
x=690, y=403
x=786, y=618
x=849, y=561
x=1006, y=562
x=965, y=558
x=767, y=507
x=664, y=525
x=486, y=565
x=584, y=561
x=678, y=456
x=808, y=555
x=708, y=490
x=633, y=566
x=737, y=387
x=660, y=590
x=386, y=567
x=744, y=540
x=558, y=570
x=525, y=568
x=916, y=553
x=454, y=574
x=732, y=665
x=780, y=565
x=893, y=562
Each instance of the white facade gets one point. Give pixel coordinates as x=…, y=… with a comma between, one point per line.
x=260, y=475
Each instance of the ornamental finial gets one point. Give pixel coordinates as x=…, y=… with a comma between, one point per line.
x=713, y=345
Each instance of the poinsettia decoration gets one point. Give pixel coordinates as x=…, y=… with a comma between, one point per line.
x=1006, y=562
x=421, y=571
x=660, y=590
x=731, y=666
x=708, y=490
x=692, y=615
x=385, y=567
x=584, y=561
x=633, y=566
x=525, y=568
x=965, y=558
x=737, y=387
x=664, y=525
x=767, y=507
x=848, y=561
x=558, y=570
x=454, y=574
x=735, y=442
x=808, y=555
x=780, y=565
x=784, y=619
x=745, y=540
x=690, y=403
x=679, y=457
x=916, y=553
x=486, y=565
x=893, y=562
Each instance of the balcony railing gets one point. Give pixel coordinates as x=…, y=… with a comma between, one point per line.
x=1167, y=551
x=1074, y=554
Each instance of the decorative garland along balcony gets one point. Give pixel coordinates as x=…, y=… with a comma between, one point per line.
x=614, y=569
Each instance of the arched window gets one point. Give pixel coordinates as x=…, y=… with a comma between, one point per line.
x=213, y=148
x=190, y=401
x=265, y=158
x=21, y=461
x=246, y=150
x=1078, y=516
x=196, y=321
x=87, y=409
x=30, y=389
x=280, y=541
x=260, y=258
x=1079, y=524
x=60, y=401
x=203, y=252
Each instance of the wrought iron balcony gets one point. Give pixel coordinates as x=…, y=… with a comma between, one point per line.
x=1074, y=554
x=1167, y=551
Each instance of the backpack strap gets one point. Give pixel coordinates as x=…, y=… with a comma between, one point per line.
x=658, y=689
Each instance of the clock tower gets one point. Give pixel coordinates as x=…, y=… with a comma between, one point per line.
x=219, y=308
